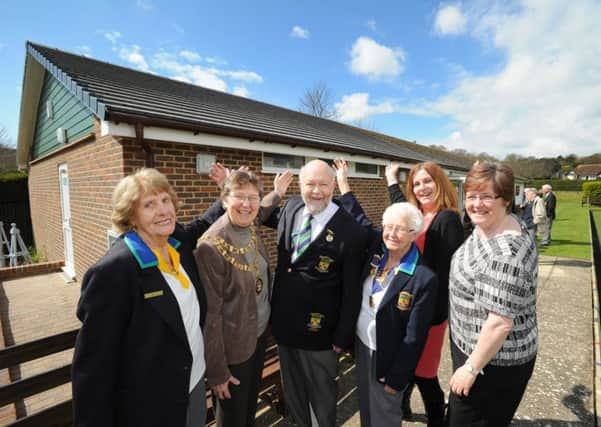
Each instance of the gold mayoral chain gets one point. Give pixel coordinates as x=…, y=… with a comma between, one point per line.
x=227, y=251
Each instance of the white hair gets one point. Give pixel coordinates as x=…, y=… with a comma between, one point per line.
x=547, y=187
x=407, y=211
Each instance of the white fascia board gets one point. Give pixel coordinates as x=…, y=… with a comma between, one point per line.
x=211, y=140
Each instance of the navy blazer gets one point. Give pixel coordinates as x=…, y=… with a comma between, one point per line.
x=444, y=236
x=405, y=313
x=316, y=299
x=132, y=360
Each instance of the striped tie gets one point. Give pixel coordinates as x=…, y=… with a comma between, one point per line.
x=302, y=237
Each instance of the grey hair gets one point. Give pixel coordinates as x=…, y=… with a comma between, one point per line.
x=548, y=187
x=406, y=211
x=304, y=169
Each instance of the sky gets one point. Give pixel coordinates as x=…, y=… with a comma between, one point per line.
x=501, y=77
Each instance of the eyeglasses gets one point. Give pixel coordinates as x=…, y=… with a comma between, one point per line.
x=396, y=229
x=252, y=198
x=484, y=198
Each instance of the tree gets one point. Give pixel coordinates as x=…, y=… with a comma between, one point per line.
x=8, y=154
x=317, y=101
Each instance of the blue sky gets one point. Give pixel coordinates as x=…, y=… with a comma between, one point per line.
x=498, y=77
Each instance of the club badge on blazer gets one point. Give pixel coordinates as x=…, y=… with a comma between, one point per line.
x=329, y=235
x=315, y=320
x=404, y=301
x=324, y=264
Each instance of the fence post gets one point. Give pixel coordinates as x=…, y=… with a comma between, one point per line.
x=3, y=243
x=21, y=251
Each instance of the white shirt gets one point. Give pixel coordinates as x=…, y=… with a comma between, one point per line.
x=319, y=221
x=366, y=323
x=190, y=311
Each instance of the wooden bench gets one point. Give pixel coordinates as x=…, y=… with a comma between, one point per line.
x=61, y=414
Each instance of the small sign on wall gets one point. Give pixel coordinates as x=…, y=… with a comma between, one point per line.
x=204, y=162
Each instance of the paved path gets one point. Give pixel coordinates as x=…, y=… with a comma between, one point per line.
x=560, y=392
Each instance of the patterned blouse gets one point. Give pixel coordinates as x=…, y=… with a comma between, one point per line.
x=499, y=275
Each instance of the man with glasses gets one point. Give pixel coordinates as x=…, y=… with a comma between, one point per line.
x=316, y=295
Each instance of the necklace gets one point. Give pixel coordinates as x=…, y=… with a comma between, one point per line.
x=227, y=251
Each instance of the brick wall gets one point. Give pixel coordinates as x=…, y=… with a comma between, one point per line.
x=97, y=165
x=94, y=167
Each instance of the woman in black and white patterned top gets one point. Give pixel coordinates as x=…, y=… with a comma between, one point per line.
x=492, y=304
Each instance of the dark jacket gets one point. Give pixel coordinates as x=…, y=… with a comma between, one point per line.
x=316, y=300
x=443, y=238
x=132, y=360
x=405, y=312
x=527, y=216
x=550, y=202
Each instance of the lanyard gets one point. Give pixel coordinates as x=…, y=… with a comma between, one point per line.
x=380, y=285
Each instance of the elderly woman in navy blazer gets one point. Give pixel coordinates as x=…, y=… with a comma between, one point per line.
x=139, y=356
x=396, y=310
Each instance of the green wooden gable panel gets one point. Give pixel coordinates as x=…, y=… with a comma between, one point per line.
x=69, y=114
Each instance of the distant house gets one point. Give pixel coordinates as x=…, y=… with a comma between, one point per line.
x=84, y=124
x=588, y=172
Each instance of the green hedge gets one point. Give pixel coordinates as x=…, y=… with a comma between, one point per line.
x=591, y=193
x=12, y=176
x=558, y=184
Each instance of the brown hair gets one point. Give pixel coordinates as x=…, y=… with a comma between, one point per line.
x=499, y=174
x=446, y=195
x=239, y=178
x=131, y=189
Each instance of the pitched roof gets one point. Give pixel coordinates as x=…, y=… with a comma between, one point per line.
x=593, y=169
x=117, y=93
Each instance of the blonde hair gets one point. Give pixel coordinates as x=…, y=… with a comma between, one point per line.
x=131, y=189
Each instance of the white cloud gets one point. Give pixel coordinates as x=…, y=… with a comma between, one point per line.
x=84, y=50
x=210, y=77
x=133, y=56
x=375, y=60
x=241, y=91
x=544, y=100
x=300, y=32
x=371, y=23
x=112, y=36
x=450, y=21
x=244, y=76
x=215, y=61
x=189, y=55
x=144, y=5
x=356, y=107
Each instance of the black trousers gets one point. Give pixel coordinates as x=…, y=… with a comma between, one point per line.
x=494, y=397
x=240, y=410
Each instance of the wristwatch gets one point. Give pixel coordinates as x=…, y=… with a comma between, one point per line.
x=471, y=369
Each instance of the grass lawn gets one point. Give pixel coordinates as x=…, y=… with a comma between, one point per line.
x=570, y=236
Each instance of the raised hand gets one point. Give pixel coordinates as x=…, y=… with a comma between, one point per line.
x=392, y=173
x=341, y=169
x=282, y=181
x=218, y=173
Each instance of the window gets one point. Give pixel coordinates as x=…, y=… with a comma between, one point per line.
x=282, y=161
x=366, y=168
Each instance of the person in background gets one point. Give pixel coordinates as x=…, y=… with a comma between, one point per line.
x=429, y=189
x=399, y=297
x=533, y=212
x=234, y=270
x=492, y=305
x=139, y=355
x=316, y=293
x=550, y=204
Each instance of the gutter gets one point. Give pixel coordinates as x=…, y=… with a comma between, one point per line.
x=145, y=146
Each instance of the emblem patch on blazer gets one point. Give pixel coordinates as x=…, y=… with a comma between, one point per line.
x=404, y=301
x=324, y=264
x=314, y=324
x=329, y=235
x=154, y=294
